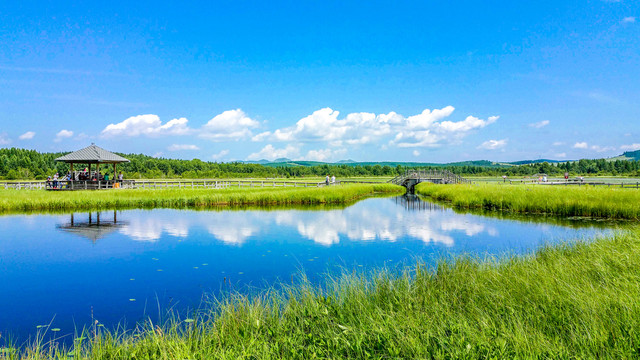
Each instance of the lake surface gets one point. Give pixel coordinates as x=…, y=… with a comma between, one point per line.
x=66, y=270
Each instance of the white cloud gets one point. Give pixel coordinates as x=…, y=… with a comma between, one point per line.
x=558, y=143
x=580, y=145
x=630, y=147
x=26, y=136
x=4, y=139
x=324, y=154
x=416, y=153
x=82, y=136
x=179, y=147
x=148, y=125
x=603, y=98
x=629, y=20
x=271, y=153
x=493, y=144
x=220, y=155
x=62, y=134
x=599, y=148
x=425, y=129
x=435, y=134
x=230, y=125
x=539, y=124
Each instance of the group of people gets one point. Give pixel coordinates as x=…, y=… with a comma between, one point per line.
x=54, y=182
x=330, y=180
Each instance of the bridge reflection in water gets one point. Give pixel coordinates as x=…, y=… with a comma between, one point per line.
x=414, y=203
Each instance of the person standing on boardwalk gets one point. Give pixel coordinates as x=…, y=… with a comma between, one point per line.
x=333, y=179
x=326, y=180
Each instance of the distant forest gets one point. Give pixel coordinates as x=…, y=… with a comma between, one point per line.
x=29, y=164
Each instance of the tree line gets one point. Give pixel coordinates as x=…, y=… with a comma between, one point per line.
x=22, y=164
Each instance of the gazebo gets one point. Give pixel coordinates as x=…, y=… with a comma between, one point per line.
x=88, y=156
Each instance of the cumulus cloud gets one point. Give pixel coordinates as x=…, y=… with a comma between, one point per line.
x=324, y=154
x=230, y=125
x=179, y=147
x=425, y=129
x=581, y=145
x=435, y=134
x=629, y=20
x=4, y=139
x=324, y=125
x=148, y=125
x=539, y=124
x=63, y=134
x=220, y=155
x=493, y=144
x=630, y=147
x=271, y=153
x=599, y=148
x=26, y=136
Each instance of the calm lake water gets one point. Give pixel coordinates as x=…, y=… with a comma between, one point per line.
x=118, y=266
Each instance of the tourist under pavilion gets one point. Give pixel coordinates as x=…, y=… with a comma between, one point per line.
x=92, y=155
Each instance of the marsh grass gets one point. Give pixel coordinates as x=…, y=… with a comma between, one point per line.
x=40, y=200
x=584, y=201
x=575, y=300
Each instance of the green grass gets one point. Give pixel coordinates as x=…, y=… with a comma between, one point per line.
x=40, y=200
x=587, y=201
x=566, y=301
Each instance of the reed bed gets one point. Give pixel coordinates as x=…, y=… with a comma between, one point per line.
x=575, y=300
x=40, y=200
x=584, y=201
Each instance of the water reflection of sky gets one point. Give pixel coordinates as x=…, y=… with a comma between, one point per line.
x=115, y=266
x=327, y=227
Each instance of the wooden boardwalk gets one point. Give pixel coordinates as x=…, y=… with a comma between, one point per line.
x=166, y=184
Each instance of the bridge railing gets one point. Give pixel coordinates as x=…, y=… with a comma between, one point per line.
x=445, y=176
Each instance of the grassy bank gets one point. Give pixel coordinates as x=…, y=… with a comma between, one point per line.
x=567, y=301
x=599, y=202
x=40, y=200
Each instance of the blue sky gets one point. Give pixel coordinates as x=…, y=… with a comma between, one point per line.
x=402, y=81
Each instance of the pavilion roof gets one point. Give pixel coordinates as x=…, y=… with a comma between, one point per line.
x=92, y=154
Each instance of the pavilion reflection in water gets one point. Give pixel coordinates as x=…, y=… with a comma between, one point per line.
x=92, y=226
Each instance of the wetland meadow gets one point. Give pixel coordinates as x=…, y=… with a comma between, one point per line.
x=362, y=271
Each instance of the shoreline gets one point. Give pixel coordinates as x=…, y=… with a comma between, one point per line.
x=23, y=201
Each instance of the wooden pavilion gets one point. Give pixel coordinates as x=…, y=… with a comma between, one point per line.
x=91, y=178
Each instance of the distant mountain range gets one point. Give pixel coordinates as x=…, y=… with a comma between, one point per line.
x=628, y=155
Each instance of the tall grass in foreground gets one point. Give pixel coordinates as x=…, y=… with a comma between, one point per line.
x=600, y=202
x=566, y=301
x=40, y=200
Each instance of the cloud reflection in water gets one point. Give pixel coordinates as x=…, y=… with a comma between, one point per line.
x=387, y=221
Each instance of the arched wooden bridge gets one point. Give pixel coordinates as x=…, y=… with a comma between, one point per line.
x=411, y=178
